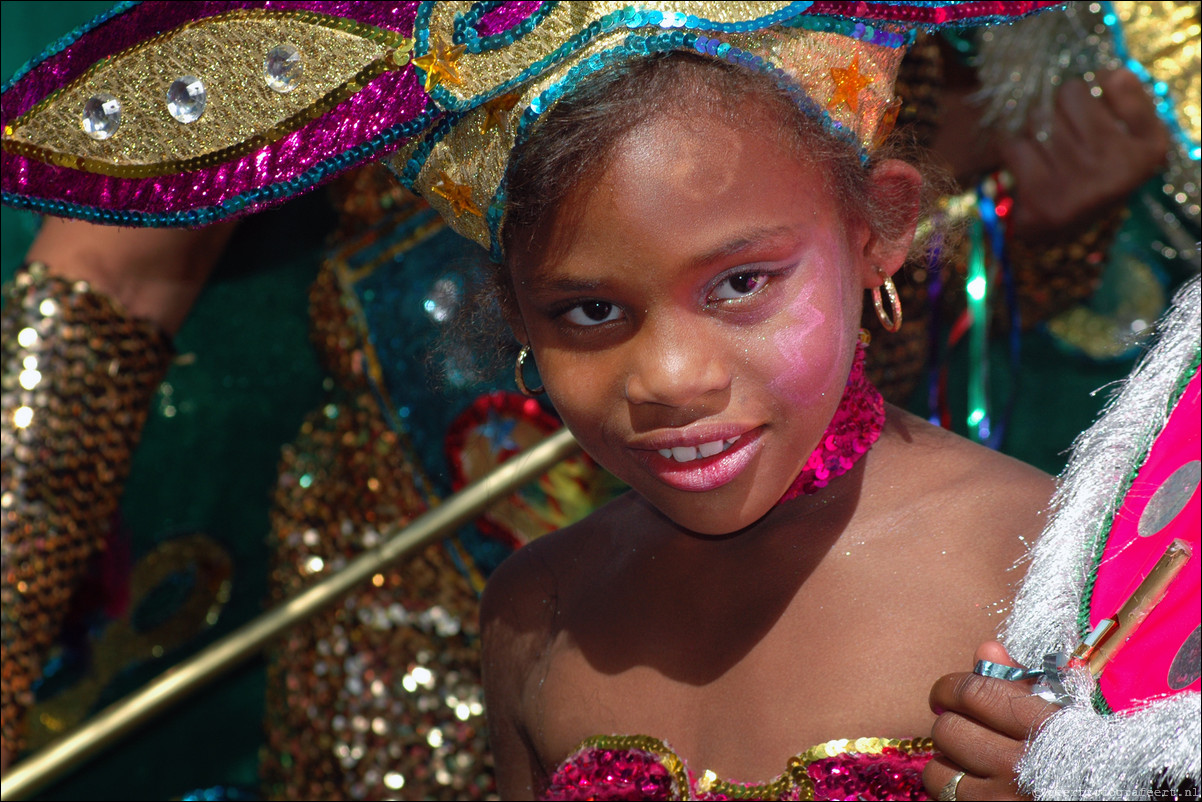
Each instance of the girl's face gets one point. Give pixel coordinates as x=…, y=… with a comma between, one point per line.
x=697, y=333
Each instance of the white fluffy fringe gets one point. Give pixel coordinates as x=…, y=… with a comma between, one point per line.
x=1080, y=754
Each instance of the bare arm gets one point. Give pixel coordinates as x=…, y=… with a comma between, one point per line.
x=155, y=274
x=516, y=617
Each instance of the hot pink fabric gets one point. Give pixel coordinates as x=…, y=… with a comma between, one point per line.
x=1140, y=670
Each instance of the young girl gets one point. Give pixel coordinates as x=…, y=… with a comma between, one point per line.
x=691, y=292
x=687, y=201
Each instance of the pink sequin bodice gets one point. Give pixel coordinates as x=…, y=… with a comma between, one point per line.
x=638, y=767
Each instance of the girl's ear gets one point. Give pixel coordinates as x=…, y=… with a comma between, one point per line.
x=518, y=328
x=896, y=188
x=512, y=314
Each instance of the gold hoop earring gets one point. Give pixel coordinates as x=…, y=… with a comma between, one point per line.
x=520, y=380
x=890, y=290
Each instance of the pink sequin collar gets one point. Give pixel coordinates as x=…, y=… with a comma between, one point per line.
x=856, y=426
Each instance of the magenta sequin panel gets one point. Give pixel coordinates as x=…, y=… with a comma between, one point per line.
x=893, y=774
x=611, y=774
x=620, y=774
x=502, y=18
x=852, y=431
x=930, y=13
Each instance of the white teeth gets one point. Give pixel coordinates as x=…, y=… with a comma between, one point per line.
x=684, y=453
x=690, y=453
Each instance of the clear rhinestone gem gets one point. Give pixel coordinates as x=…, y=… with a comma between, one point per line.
x=283, y=67
x=186, y=99
x=101, y=116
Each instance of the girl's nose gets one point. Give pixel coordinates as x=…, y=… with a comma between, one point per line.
x=674, y=365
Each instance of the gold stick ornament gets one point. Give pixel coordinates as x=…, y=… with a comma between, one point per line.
x=174, y=685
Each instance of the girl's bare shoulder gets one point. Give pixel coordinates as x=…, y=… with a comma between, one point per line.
x=529, y=591
x=954, y=522
x=958, y=497
x=933, y=462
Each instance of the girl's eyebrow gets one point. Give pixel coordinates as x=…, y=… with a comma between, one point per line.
x=561, y=285
x=769, y=236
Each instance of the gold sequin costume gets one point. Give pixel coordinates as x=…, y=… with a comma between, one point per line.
x=380, y=696
x=78, y=376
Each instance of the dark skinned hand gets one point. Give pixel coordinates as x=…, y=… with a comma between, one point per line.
x=982, y=728
x=1103, y=141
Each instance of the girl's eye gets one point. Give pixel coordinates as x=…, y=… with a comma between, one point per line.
x=740, y=285
x=592, y=313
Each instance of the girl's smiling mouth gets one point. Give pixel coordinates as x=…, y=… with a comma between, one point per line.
x=690, y=453
x=704, y=466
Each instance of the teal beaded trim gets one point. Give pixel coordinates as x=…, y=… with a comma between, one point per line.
x=882, y=33
x=274, y=193
x=1099, y=546
x=465, y=24
x=574, y=44
x=635, y=17
x=65, y=41
x=421, y=29
x=465, y=28
x=417, y=159
x=495, y=217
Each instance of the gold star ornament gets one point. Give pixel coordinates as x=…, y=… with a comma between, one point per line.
x=849, y=83
x=496, y=112
x=458, y=195
x=441, y=63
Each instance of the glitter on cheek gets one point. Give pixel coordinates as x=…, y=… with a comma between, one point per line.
x=810, y=342
x=796, y=360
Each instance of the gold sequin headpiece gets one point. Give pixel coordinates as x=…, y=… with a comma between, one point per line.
x=188, y=113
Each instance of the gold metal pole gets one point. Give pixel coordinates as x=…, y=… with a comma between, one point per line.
x=102, y=730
